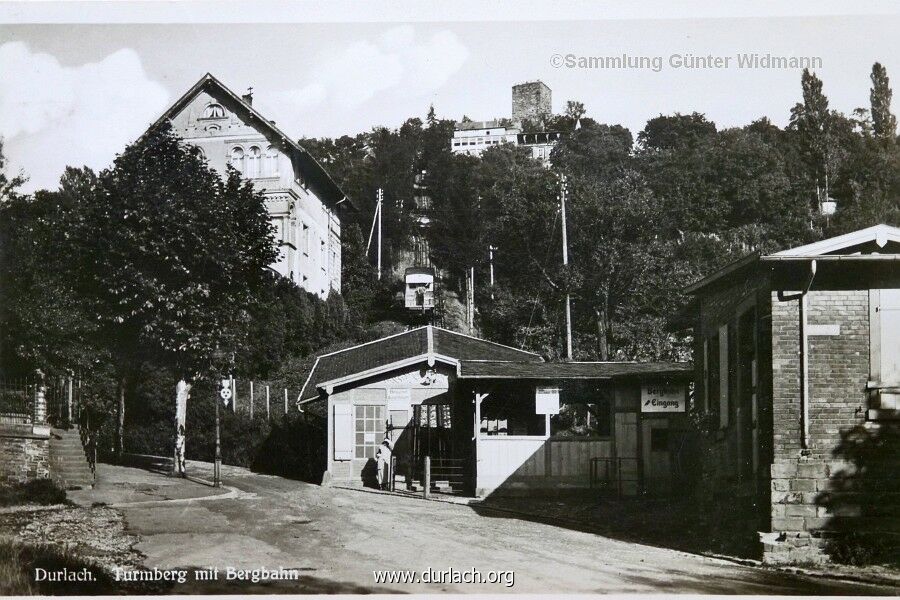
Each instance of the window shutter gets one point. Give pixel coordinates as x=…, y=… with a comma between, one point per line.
x=343, y=432
x=889, y=335
x=724, y=381
x=706, y=385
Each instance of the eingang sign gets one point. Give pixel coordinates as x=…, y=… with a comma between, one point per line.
x=663, y=398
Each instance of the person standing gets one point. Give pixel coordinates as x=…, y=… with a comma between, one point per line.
x=383, y=463
x=179, y=452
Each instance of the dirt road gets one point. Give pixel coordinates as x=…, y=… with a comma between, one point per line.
x=336, y=538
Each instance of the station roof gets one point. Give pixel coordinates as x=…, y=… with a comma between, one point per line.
x=864, y=251
x=409, y=347
x=490, y=369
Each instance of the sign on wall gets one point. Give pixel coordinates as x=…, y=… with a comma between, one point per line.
x=546, y=401
x=665, y=398
x=398, y=398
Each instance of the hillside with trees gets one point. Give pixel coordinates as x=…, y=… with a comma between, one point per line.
x=648, y=213
x=153, y=270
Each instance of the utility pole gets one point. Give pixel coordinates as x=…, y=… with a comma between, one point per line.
x=491, y=261
x=376, y=220
x=565, y=254
x=380, y=201
x=471, y=300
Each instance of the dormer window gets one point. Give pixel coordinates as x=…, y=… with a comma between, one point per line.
x=213, y=111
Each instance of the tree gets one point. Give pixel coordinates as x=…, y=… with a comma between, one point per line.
x=884, y=123
x=43, y=323
x=172, y=257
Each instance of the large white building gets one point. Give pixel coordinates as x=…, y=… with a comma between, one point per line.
x=304, y=204
x=531, y=101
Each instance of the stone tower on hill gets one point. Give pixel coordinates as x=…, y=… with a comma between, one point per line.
x=531, y=100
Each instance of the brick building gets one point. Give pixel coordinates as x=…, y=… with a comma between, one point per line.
x=797, y=358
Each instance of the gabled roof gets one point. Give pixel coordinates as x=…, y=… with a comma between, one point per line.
x=475, y=369
x=877, y=235
x=410, y=347
x=319, y=180
x=879, y=243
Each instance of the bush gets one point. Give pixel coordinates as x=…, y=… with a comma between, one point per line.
x=294, y=448
x=38, y=491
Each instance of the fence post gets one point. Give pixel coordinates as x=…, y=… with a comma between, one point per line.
x=427, y=477
x=251, y=399
x=40, y=401
x=285, y=400
x=267, y=403
x=69, y=400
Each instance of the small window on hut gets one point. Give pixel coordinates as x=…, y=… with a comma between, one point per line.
x=369, y=429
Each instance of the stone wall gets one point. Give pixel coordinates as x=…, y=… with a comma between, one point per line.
x=838, y=359
x=24, y=454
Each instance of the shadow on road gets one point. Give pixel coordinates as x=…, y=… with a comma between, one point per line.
x=667, y=523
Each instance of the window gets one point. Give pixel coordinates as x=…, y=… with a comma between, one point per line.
x=237, y=159
x=213, y=111
x=369, y=430
x=712, y=374
x=279, y=230
x=884, y=351
x=583, y=412
x=253, y=159
x=724, y=375
x=304, y=238
x=271, y=167
x=511, y=412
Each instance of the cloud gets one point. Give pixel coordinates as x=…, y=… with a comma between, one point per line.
x=53, y=115
x=396, y=60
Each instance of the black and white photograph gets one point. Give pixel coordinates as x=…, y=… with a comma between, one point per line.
x=433, y=298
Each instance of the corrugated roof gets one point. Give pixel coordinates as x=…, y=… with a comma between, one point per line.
x=404, y=346
x=571, y=370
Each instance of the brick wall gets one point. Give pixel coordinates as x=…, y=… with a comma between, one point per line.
x=23, y=455
x=838, y=358
x=720, y=307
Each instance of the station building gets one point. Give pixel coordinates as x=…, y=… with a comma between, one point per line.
x=797, y=366
x=498, y=420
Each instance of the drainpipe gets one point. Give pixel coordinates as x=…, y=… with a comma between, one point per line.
x=804, y=356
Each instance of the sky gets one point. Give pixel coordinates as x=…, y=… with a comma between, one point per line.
x=79, y=82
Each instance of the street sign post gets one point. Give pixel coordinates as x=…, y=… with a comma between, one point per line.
x=225, y=394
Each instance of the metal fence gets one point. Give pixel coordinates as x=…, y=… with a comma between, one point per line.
x=17, y=402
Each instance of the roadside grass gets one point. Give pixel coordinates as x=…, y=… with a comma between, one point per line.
x=37, y=491
x=18, y=564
